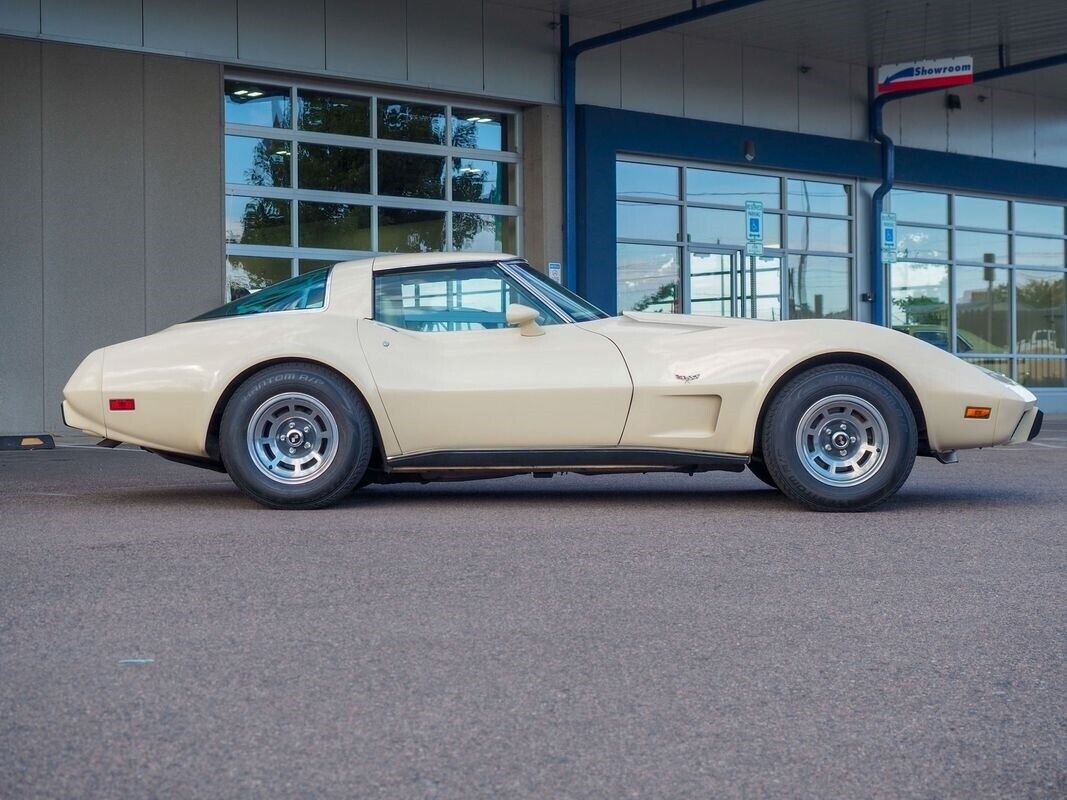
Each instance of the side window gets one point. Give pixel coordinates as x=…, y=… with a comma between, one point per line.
x=450, y=299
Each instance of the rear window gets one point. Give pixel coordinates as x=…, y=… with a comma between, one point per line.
x=296, y=294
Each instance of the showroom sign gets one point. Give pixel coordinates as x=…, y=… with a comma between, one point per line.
x=929, y=74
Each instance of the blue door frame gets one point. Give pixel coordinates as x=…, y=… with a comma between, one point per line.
x=602, y=133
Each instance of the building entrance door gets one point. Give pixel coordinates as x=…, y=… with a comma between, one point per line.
x=727, y=283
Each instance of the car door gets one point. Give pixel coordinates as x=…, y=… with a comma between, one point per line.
x=453, y=375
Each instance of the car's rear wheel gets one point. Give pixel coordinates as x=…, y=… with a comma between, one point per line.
x=296, y=436
x=839, y=438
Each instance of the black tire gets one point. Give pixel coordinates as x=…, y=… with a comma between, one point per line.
x=846, y=404
x=337, y=421
x=759, y=469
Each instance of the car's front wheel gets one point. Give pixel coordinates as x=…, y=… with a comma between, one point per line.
x=839, y=438
x=296, y=436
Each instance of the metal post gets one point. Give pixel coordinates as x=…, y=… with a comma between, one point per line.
x=567, y=83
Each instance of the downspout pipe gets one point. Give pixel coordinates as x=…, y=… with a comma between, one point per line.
x=875, y=108
x=568, y=67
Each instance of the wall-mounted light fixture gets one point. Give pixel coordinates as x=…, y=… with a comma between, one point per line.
x=750, y=150
x=952, y=102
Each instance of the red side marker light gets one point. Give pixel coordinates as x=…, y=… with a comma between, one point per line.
x=121, y=404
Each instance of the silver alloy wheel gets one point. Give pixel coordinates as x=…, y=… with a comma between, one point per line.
x=842, y=440
x=292, y=438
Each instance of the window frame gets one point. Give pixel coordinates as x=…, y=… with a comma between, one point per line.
x=509, y=271
x=293, y=194
x=782, y=210
x=1012, y=355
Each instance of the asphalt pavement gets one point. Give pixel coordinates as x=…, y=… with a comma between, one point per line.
x=653, y=636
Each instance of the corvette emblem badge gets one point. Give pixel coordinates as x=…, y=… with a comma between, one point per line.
x=687, y=378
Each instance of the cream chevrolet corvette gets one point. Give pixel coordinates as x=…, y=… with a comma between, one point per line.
x=462, y=366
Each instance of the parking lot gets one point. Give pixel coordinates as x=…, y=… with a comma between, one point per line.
x=630, y=636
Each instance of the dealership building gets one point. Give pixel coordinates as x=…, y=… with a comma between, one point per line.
x=162, y=157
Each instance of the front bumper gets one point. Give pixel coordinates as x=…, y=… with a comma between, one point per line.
x=1029, y=426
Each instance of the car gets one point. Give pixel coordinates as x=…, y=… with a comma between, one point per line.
x=454, y=366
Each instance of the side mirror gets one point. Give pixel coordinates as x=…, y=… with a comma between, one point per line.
x=525, y=318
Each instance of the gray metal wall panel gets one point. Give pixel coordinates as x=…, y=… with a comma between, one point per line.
x=21, y=300
x=104, y=21
x=275, y=33
x=182, y=195
x=825, y=97
x=445, y=44
x=970, y=127
x=599, y=70
x=93, y=207
x=521, y=53
x=923, y=121
x=367, y=39
x=1052, y=131
x=653, y=69
x=20, y=16
x=197, y=27
x=1013, y=125
x=712, y=80
x=770, y=89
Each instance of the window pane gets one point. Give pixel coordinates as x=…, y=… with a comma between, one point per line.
x=653, y=181
x=731, y=188
x=484, y=130
x=477, y=181
x=919, y=301
x=483, y=232
x=284, y=294
x=1039, y=218
x=1040, y=309
x=986, y=248
x=982, y=318
x=711, y=283
x=714, y=226
x=817, y=233
x=1001, y=365
x=981, y=212
x=927, y=207
x=312, y=264
x=257, y=162
x=402, y=230
x=258, y=104
x=922, y=243
x=334, y=226
x=439, y=300
x=648, y=277
x=819, y=197
x=410, y=175
x=819, y=286
x=1038, y=251
x=332, y=168
x=648, y=221
x=1043, y=373
x=257, y=220
x=246, y=275
x=332, y=113
x=763, y=290
x=411, y=122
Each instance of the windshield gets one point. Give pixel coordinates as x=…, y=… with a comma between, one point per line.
x=575, y=307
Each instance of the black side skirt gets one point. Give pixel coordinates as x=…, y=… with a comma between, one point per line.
x=564, y=460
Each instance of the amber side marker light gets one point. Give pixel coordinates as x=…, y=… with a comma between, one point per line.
x=126, y=404
x=977, y=412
